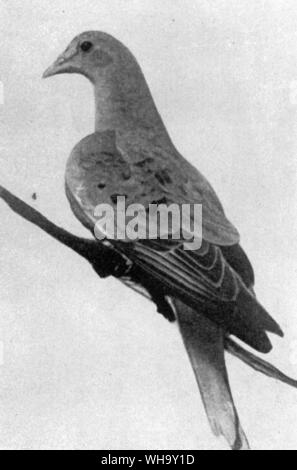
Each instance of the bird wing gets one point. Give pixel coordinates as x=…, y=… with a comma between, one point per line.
x=98, y=171
x=204, y=280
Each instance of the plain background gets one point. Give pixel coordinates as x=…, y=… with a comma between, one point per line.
x=88, y=363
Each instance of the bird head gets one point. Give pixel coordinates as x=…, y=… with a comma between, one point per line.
x=90, y=54
x=122, y=95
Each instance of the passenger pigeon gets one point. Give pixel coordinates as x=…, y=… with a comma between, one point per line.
x=208, y=291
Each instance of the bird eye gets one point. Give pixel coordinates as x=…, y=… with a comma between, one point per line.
x=86, y=46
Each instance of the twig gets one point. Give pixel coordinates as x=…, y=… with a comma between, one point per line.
x=104, y=260
x=257, y=363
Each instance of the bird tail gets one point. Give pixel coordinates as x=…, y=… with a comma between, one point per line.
x=204, y=342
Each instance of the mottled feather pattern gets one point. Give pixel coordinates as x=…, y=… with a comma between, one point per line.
x=101, y=165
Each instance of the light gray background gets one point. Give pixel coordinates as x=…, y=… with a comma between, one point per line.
x=88, y=363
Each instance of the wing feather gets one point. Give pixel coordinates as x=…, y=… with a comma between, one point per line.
x=214, y=288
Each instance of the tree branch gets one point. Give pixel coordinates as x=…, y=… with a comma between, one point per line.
x=104, y=260
x=108, y=262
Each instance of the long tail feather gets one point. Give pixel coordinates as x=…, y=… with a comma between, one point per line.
x=257, y=363
x=204, y=342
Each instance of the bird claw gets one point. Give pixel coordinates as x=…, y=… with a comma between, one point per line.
x=112, y=264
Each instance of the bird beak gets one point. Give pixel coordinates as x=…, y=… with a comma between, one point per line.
x=63, y=64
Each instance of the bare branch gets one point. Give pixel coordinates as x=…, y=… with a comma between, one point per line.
x=104, y=260
x=108, y=262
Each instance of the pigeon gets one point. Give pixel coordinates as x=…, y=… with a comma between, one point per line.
x=208, y=291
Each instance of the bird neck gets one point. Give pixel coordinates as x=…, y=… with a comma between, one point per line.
x=123, y=101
